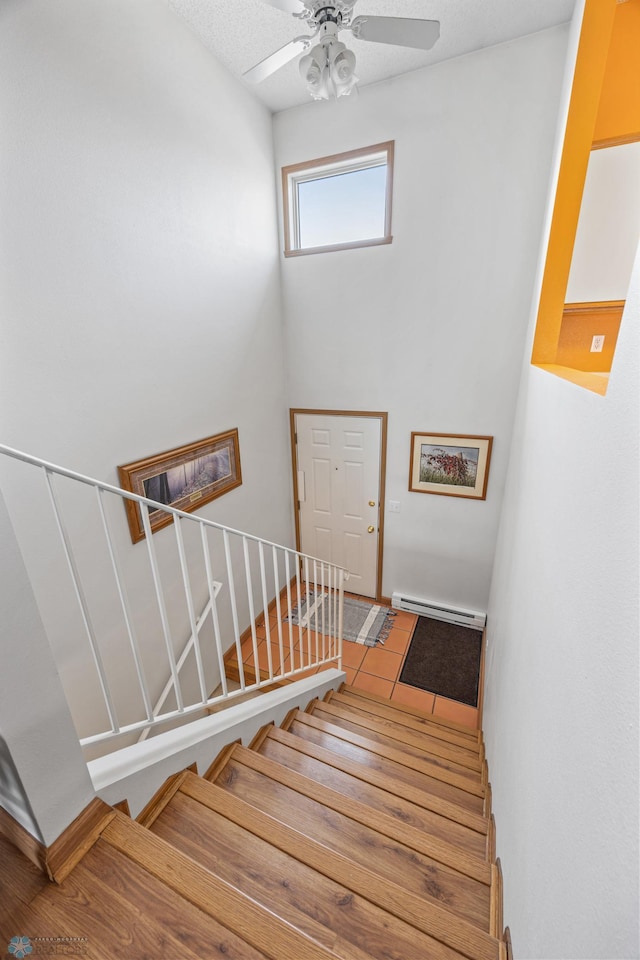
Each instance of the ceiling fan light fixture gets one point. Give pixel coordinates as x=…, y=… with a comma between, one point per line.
x=329, y=70
x=313, y=70
x=343, y=67
x=312, y=64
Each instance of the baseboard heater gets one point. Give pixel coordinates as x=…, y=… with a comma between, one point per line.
x=425, y=608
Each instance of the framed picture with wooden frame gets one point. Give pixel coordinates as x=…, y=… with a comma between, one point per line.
x=185, y=478
x=450, y=466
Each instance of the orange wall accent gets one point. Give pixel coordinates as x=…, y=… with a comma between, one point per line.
x=619, y=110
x=597, y=26
x=580, y=323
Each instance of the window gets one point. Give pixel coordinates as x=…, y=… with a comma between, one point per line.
x=338, y=202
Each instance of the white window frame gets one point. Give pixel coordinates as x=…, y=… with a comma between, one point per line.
x=380, y=154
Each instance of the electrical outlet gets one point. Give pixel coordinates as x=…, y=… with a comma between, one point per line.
x=394, y=506
x=597, y=343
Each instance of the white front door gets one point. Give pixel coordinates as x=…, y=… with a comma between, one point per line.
x=338, y=464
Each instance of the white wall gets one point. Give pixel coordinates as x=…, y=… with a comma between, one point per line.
x=608, y=227
x=44, y=781
x=431, y=327
x=139, y=285
x=561, y=692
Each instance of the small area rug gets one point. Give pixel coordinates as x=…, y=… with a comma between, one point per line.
x=365, y=623
x=444, y=658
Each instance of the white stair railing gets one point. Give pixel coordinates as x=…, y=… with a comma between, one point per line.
x=243, y=578
x=189, y=646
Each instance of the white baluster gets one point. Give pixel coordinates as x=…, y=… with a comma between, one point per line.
x=252, y=615
x=155, y=572
x=190, y=609
x=265, y=608
x=234, y=607
x=340, y=615
x=276, y=584
x=287, y=574
x=299, y=596
x=84, y=609
x=124, y=603
x=214, y=609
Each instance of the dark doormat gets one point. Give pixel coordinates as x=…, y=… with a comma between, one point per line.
x=444, y=658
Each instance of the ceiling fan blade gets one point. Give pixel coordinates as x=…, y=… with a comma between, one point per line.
x=288, y=6
x=276, y=60
x=402, y=31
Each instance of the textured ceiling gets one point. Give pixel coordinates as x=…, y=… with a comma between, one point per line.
x=242, y=32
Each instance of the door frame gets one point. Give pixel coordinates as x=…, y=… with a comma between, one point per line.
x=367, y=414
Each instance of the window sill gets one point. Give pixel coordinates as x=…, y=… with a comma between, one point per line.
x=596, y=382
x=331, y=248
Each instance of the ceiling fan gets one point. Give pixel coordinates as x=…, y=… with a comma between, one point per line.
x=328, y=68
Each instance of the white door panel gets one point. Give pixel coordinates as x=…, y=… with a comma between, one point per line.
x=339, y=459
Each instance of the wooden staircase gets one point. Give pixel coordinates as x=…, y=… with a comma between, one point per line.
x=359, y=829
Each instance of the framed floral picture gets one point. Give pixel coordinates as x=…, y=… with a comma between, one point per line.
x=185, y=478
x=450, y=466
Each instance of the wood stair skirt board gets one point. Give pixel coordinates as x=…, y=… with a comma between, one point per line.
x=356, y=830
x=59, y=859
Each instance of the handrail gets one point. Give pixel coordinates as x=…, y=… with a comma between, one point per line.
x=126, y=494
x=252, y=576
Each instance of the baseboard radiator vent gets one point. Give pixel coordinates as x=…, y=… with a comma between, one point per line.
x=426, y=608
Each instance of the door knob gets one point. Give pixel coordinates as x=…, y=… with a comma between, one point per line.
x=372, y=503
x=370, y=529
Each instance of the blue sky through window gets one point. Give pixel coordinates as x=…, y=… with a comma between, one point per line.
x=342, y=208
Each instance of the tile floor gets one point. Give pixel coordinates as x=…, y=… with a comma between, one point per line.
x=372, y=668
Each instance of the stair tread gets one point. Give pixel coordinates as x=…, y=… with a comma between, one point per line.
x=397, y=862
x=274, y=937
x=438, y=767
x=242, y=860
x=380, y=823
x=421, y=722
x=384, y=732
x=324, y=768
x=434, y=746
x=308, y=899
x=434, y=920
x=385, y=760
x=123, y=911
x=405, y=708
x=374, y=769
x=20, y=880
